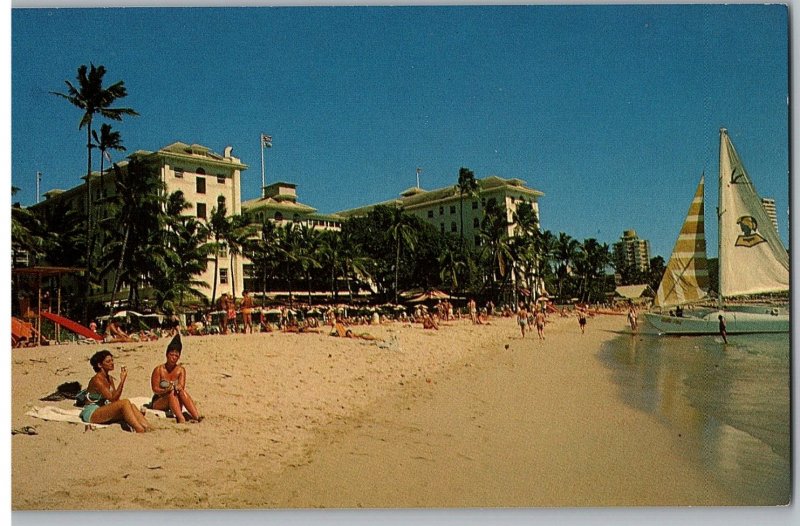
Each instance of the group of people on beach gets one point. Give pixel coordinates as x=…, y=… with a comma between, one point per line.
x=102, y=400
x=534, y=317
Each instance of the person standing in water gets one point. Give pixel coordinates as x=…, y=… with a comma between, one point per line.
x=723, y=329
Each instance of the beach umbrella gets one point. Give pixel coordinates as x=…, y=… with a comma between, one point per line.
x=126, y=313
x=430, y=295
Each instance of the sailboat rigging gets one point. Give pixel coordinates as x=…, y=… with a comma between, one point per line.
x=752, y=260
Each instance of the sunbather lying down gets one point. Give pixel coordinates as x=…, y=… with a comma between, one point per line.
x=299, y=328
x=343, y=332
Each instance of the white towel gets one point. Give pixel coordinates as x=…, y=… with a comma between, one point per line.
x=73, y=414
x=60, y=414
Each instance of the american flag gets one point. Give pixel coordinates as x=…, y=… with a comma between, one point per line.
x=266, y=140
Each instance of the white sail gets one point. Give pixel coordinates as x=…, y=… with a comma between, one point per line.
x=686, y=276
x=752, y=259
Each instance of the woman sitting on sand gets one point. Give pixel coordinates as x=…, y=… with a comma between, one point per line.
x=102, y=398
x=114, y=334
x=168, y=382
x=429, y=323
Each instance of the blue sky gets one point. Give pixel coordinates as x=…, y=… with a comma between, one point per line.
x=612, y=111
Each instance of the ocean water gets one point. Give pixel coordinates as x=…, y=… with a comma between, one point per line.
x=727, y=405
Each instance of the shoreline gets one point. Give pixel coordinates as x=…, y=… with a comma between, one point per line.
x=285, y=413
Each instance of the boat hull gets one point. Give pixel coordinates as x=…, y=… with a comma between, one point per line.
x=770, y=321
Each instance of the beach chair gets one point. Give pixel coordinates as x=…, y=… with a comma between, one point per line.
x=22, y=333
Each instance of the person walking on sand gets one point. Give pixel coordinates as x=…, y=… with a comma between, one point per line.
x=222, y=305
x=539, y=321
x=582, y=320
x=522, y=319
x=230, y=311
x=632, y=318
x=247, y=311
x=723, y=329
x=473, y=310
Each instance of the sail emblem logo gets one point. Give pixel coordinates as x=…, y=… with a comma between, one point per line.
x=750, y=236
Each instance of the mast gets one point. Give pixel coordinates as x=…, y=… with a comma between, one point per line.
x=720, y=211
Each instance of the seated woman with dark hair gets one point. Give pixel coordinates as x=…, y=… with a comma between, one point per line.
x=168, y=382
x=102, y=397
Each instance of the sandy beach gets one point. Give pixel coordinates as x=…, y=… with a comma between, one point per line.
x=467, y=416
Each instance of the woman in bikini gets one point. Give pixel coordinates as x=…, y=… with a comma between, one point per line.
x=168, y=382
x=103, y=402
x=247, y=312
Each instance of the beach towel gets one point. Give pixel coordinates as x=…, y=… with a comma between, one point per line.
x=73, y=414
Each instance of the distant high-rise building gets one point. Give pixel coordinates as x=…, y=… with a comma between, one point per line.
x=769, y=208
x=632, y=251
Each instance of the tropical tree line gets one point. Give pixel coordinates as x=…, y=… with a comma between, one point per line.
x=152, y=242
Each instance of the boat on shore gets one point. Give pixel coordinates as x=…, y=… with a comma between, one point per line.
x=752, y=261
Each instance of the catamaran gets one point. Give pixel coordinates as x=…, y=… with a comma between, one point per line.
x=752, y=261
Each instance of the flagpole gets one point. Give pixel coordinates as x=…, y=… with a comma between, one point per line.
x=38, y=180
x=263, y=180
x=418, y=171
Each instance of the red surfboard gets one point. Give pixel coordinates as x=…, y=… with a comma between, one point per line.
x=70, y=325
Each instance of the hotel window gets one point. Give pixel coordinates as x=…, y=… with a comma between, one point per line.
x=477, y=241
x=441, y=227
x=201, y=185
x=201, y=210
x=179, y=173
x=453, y=227
x=278, y=216
x=476, y=222
x=223, y=276
x=220, y=203
x=452, y=209
x=441, y=210
x=220, y=179
x=430, y=214
x=474, y=205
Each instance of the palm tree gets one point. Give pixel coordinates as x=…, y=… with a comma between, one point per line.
x=566, y=253
x=290, y=253
x=330, y=251
x=403, y=234
x=451, y=265
x=187, y=259
x=467, y=185
x=217, y=231
x=264, y=252
x=544, y=243
x=496, y=249
x=236, y=237
x=308, y=257
x=591, y=264
x=137, y=207
x=107, y=140
x=526, y=227
x=93, y=99
x=27, y=235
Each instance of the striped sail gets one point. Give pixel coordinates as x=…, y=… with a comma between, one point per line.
x=686, y=277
